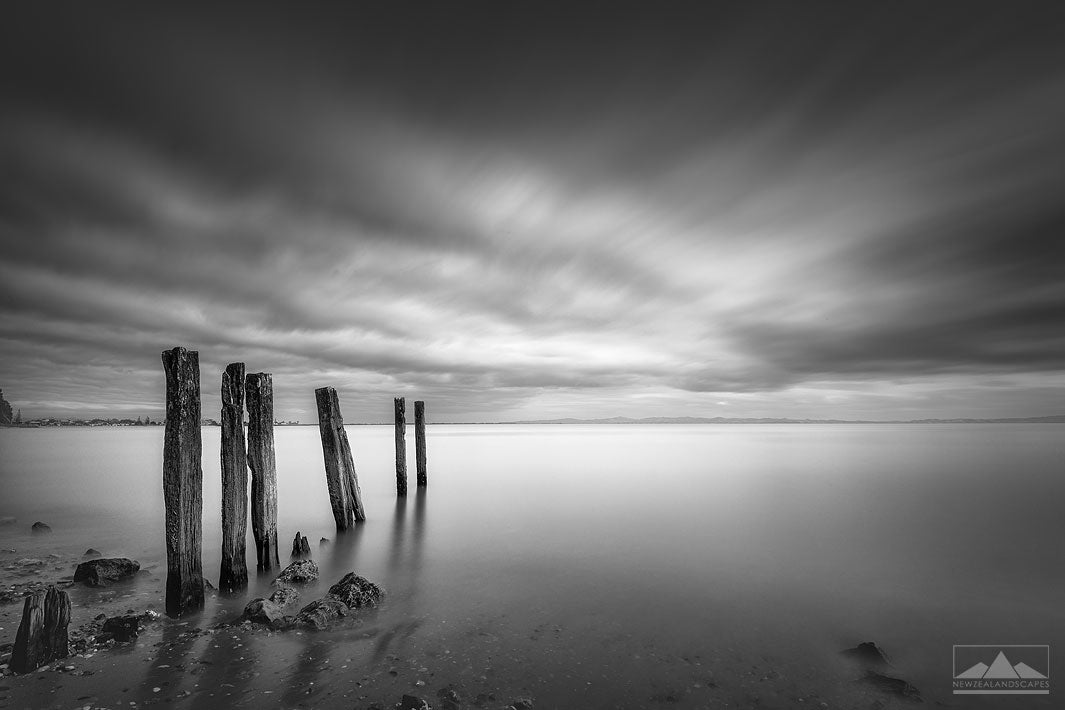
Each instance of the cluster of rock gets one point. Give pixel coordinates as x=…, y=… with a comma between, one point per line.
x=43, y=634
x=871, y=659
x=351, y=592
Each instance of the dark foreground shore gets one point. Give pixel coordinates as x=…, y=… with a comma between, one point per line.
x=376, y=660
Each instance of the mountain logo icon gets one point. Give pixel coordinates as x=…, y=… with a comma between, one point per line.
x=1022, y=670
x=1000, y=668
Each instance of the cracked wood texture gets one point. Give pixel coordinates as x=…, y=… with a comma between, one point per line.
x=345, y=496
x=419, y=442
x=233, y=574
x=259, y=395
x=42, y=636
x=183, y=482
x=401, y=446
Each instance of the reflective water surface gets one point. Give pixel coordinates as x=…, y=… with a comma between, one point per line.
x=603, y=566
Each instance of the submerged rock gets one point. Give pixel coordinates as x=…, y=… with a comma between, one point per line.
x=449, y=698
x=284, y=596
x=868, y=654
x=40, y=527
x=97, y=573
x=122, y=628
x=299, y=572
x=413, y=702
x=321, y=614
x=8, y=520
x=893, y=686
x=265, y=612
x=93, y=552
x=300, y=546
x=356, y=591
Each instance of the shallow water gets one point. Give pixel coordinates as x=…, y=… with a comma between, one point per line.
x=610, y=566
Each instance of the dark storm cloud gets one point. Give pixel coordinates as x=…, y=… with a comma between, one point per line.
x=534, y=211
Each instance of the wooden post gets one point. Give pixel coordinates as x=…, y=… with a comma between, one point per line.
x=419, y=442
x=345, y=497
x=300, y=546
x=183, y=482
x=42, y=634
x=233, y=575
x=259, y=395
x=401, y=446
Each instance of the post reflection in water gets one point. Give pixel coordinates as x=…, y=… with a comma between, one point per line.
x=399, y=515
x=306, y=678
x=240, y=664
x=343, y=552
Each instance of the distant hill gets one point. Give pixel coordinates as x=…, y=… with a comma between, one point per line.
x=1055, y=419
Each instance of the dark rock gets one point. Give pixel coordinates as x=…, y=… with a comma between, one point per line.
x=893, y=686
x=323, y=541
x=300, y=546
x=284, y=596
x=867, y=654
x=449, y=698
x=522, y=704
x=40, y=527
x=413, y=702
x=93, y=552
x=122, y=628
x=321, y=614
x=97, y=573
x=356, y=591
x=299, y=572
x=265, y=612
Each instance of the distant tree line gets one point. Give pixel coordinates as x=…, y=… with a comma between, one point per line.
x=6, y=418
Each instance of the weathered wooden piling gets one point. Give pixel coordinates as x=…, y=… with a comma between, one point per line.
x=300, y=546
x=345, y=496
x=259, y=395
x=183, y=482
x=419, y=442
x=401, y=446
x=42, y=634
x=233, y=575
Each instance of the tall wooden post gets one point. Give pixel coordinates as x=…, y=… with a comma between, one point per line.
x=233, y=575
x=259, y=395
x=183, y=482
x=345, y=496
x=419, y=442
x=401, y=446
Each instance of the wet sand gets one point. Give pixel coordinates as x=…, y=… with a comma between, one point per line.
x=212, y=660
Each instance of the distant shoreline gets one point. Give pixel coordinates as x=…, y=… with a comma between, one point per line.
x=1053, y=419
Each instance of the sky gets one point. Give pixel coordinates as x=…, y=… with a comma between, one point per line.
x=525, y=210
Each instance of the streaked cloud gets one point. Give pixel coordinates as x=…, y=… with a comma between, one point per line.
x=787, y=215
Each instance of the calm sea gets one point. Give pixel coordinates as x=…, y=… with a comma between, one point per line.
x=602, y=566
